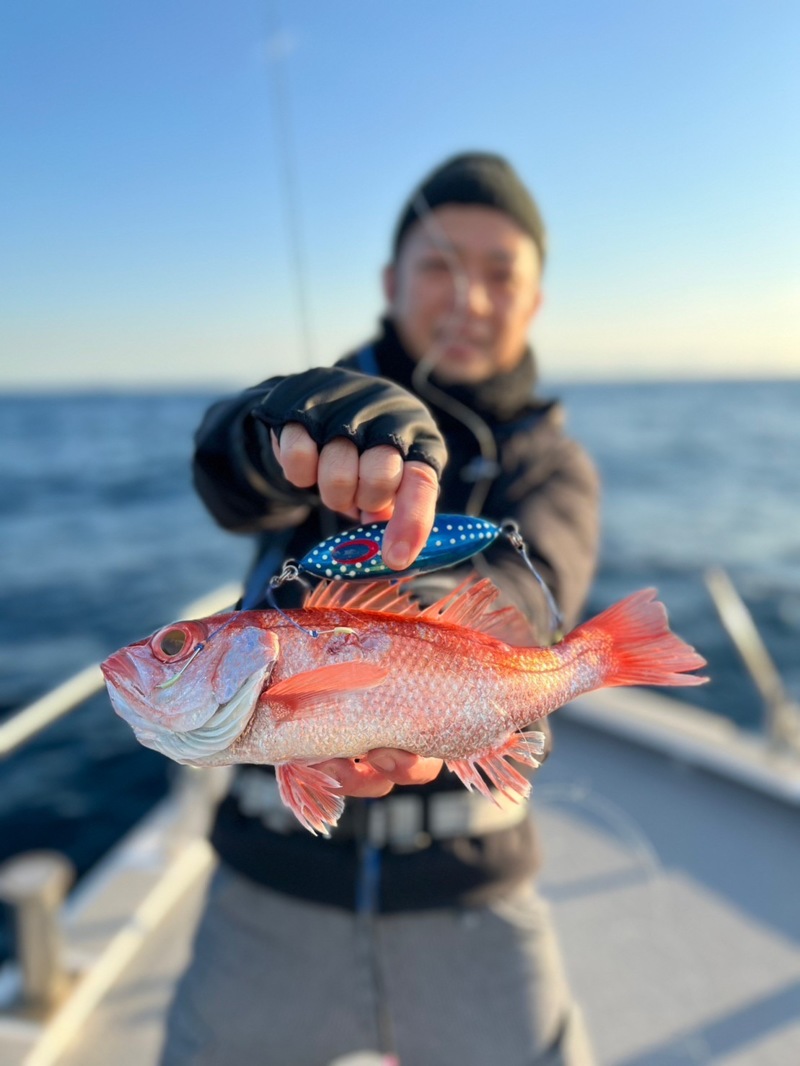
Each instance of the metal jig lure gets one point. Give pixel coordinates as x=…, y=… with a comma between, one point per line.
x=355, y=555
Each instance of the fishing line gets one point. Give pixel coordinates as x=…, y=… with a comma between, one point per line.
x=488, y=467
x=511, y=531
x=290, y=572
x=277, y=48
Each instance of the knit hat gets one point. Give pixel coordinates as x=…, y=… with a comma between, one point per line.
x=474, y=178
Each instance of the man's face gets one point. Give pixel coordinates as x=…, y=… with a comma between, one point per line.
x=464, y=289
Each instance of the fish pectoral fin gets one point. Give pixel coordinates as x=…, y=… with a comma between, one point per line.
x=316, y=690
x=311, y=795
x=509, y=782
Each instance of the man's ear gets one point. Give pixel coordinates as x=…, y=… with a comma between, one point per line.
x=389, y=283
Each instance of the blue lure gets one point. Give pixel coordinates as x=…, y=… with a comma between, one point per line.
x=356, y=554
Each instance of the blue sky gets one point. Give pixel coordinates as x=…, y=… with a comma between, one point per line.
x=144, y=216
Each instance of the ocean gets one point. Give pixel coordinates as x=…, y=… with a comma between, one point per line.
x=103, y=540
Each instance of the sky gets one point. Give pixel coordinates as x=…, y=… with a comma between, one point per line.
x=180, y=177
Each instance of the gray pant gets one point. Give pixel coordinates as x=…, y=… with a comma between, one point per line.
x=282, y=982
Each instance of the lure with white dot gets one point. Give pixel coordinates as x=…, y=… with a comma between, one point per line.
x=356, y=554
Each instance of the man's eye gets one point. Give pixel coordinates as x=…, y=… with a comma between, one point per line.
x=434, y=266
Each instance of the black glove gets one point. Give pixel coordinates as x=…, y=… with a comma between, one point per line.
x=330, y=402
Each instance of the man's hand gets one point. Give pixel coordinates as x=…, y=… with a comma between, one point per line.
x=372, y=487
x=378, y=773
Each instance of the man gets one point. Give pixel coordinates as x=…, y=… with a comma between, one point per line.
x=416, y=929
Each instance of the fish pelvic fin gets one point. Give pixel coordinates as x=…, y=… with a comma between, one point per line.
x=315, y=691
x=311, y=795
x=509, y=782
x=644, y=650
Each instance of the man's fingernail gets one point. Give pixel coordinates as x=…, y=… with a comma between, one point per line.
x=384, y=763
x=398, y=556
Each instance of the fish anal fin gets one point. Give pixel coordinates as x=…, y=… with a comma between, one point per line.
x=311, y=795
x=316, y=690
x=466, y=770
x=494, y=764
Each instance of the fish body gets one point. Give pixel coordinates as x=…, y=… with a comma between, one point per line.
x=357, y=669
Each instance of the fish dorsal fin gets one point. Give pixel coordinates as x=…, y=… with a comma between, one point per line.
x=470, y=605
x=391, y=597
x=511, y=626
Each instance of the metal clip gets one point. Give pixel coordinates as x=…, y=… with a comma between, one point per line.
x=510, y=531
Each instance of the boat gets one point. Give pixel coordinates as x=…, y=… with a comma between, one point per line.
x=670, y=864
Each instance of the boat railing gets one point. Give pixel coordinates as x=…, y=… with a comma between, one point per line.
x=781, y=711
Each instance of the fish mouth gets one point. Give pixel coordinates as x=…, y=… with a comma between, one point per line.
x=120, y=670
x=195, y=745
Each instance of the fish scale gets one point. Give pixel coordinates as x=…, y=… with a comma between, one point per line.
x=441, y=696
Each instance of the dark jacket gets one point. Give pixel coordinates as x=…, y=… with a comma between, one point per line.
x=538, y=477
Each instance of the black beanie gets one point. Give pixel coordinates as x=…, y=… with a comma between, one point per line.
x=475, y=178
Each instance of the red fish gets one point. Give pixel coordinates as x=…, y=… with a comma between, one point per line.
x=448, y=681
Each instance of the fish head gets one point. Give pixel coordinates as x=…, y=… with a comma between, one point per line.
x=190, y=689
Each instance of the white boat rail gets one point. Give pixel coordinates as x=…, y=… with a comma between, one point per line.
x=781, y=712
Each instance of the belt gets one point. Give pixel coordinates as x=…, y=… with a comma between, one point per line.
x=401, y=821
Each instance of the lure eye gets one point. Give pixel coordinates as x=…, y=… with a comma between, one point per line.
x=355, y=551
x=174, y=643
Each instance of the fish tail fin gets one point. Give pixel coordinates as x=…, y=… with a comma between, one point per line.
x=644, y=651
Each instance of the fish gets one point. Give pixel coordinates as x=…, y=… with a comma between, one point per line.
x=360, y=666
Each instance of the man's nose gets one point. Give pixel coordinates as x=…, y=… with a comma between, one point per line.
x=478, y=302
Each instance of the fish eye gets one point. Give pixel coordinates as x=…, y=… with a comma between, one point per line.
x=174, y=642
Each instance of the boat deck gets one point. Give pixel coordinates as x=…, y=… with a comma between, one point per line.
x=674, y=891
x=675, y=895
